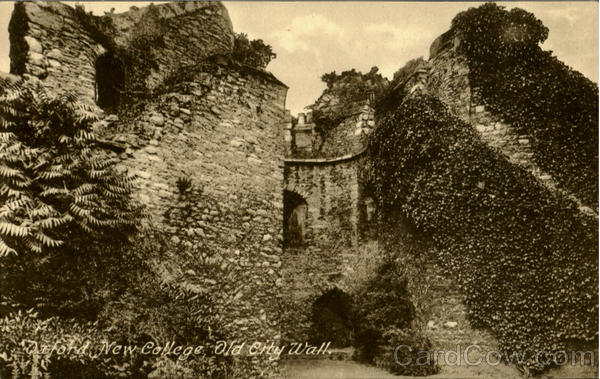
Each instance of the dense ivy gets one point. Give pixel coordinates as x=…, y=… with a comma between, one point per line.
x=534, y=91
x=525, y=257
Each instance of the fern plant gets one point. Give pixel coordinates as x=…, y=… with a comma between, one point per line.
x=55, y=185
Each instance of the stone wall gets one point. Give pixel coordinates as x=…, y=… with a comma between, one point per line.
x=323, y=167
x=336, y=207
x=349, y=137
x=55, y=42
x=221, y=131
x=189, y=31
x=47, y=42
x=448, y=80
x=306, y=139
x=216, y=126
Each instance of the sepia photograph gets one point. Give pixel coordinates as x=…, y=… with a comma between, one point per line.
x=299, y=189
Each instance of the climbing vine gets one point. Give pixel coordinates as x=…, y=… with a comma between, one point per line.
x=533, y=90
x=524, y=256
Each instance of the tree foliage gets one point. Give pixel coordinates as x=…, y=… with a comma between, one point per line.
x=55, y=186
x=253, y=53
x=525, y=257
x=345, y=93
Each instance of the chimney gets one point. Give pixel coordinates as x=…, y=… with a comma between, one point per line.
x=309, y=117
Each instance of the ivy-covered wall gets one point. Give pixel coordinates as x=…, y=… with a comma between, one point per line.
x=539, y=112
x=524, y=255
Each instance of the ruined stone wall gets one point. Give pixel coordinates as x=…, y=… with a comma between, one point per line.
x=333, y=192
x=218, y=126
x=323, y=167
x=350, y=136
x=448, y=80
x=222, y=131
x=53, y=42
x=189, y=31
x=48, y=42
x=306, y=139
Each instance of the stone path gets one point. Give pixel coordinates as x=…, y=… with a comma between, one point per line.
x=330, y=369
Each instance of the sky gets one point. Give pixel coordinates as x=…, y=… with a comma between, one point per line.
x=313, y=38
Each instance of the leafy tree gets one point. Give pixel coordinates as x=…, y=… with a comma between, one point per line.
x=346, y=92
x=253, y=53
x=56, y=188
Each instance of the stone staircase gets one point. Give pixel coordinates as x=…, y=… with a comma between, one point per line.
x=517, y=149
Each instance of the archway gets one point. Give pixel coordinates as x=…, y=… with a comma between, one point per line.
x=295, y=213
x=332, y=318
x=110, y=81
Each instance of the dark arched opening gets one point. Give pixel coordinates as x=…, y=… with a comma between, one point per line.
x=295, y=212
x=332, y=318
x=110, y=81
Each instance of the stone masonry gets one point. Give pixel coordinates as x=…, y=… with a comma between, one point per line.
x=218, y=127
x=50, y=41
x=322, y=167
x=448, y=80
x=255, y=172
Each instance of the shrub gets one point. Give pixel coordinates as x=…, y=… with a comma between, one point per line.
x=253, y=53
x=129, y=303
x=538, y=94
x=26, y=340
x=406, y=352
x=64, y=203
x=183, y=184
x=384, y=320
x=525, y=257
x=72, y=251
x=56, y=188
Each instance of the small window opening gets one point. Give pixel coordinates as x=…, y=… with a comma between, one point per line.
x=295, y=212
x=110, y=81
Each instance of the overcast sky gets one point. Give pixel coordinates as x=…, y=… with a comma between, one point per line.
x=312, y=38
